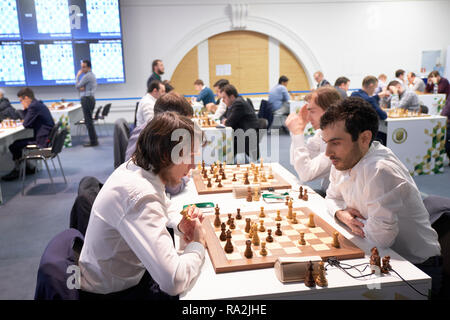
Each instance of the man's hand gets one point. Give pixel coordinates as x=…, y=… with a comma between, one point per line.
x=79, y=73
x=393, y=89
x=191, y=225
x=81, y=88
x=296, y=123
x=384, y=93
x=349, y=216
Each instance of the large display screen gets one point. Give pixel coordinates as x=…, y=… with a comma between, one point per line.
x=42, y=42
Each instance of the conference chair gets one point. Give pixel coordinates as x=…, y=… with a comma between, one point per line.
x=121, y=136
x=81, y=124
x=104, y=114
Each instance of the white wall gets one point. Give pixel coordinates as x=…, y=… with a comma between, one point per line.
x=350, y=38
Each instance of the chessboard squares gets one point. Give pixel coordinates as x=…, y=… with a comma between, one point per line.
x=320, y=247
x=327, y=240
x=273, y=245
x=316, y=230
x=290, y=232
x=236, y=255
x=292, y=250
x=241, y=237
x=282, y=239
x=310, y=236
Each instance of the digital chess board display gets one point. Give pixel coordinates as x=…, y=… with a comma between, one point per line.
x=318, y=240
x=90, y=30
x=12, y=70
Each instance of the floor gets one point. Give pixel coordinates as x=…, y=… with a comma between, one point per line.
x=27, y=223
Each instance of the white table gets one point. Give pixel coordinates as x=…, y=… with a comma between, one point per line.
x=68, y=117
x=219, y=145
x=263, y=284
x=7, y=137
x=418, y=142
x=434, y=102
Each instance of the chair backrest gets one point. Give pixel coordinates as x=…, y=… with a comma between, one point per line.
x=58, y=144
x=423, y=109
x=97, y=113
x=52, y=134
x=53, y=277
x=263, y=123
x=106, y=109
x=135, y=113
x=250, y=102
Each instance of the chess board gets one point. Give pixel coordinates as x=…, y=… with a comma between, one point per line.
x=107, y=59
x=103, y=16
x=53, y=16
x=11, y=62
x=401, y=113
x=57, y=61
x=318, y=241
x=10, y=124
x=9, y=18
x=227, y=185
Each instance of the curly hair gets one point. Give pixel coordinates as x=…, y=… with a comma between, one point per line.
x=357, y=113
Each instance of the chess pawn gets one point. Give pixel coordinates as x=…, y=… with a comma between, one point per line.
x=336, y=243
x=255, y=178
x=199, y=166
x=246, y=181
x=205, y=174
x=217, y=221
x=278, y=232
x=252, y=230
x=302, y=239
x=278, y=217
x=224, y=177
x=289, y=215
x=262, y=177
x=209, y=185
x=248, y=249
x=232, y=225
x=262, y=214
x=238, y=214
x=256, y=195
x=255, y=238
x=309, y=278
x=219, y=185
x=247, y=225
x=287, y=201
x=229, y=219
x=311, y=223
x=261, y=226
x=263, y=251
x=300, y=195
x=294, y=218
x=234, y=177
x=228, y=246
x=223, y=235
x=321, y=280
x=270, y=174
x=305, y=195
x=386, y=265
x=269, y=237
x=249, y=194
x=216, y=177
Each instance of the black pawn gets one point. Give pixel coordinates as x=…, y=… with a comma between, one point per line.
x=223, y=235
x=309, y=278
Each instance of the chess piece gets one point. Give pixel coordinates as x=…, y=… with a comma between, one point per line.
x=256, y=194
x=246, y=181
x=336, y=243
x=252, y=230
x=278, y=232
x=224, y=177
x=232, y=225
x=321, y=280
x=278, y=217
x=309, y=278
x=238, y=214
x=249, y=194
x=234, y=177
x=305, y=195
x=205, y=174
x=386, y=265
x=247, y=225
x=248, y=249
x=311, y=223
x=302, y=239
x=255, y=178
x=300, y=195
x=263, y=251
x=269, y=237
x=294, y=218
x=228, y=246
x=199, y=166
x=223, y=235
x=238, y=165
x=261, y=163
x=262, y=214
x=217, y=221
x=219, y=185
x=255, y=237
x=209, y=185
x=289, y=215
x=375, y=258
x=262, y=177
x=290, y=204
x=270, y=174
x=287, y=201
x=216, y=177
x=261, y=226
x=229, y=219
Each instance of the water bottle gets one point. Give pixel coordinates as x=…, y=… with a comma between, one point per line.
x=435, y=88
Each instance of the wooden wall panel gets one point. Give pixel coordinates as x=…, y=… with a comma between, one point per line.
x=291, y=68
x=186, y=73
x=224, y=49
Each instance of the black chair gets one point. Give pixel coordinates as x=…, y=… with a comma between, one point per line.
x=105, y=113
x=95, y=120
x=45, y=154
x=423, y=109
x=135, y=114
x=250, y=102
x=121, y=137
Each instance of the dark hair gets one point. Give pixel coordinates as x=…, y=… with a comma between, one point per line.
x=199, y=82
x=221, y=83
x=154, y=84
x=393, y=83
x=174, y=102
x=399, y=72
x=412, y=74
x=325, y=97
x=26, y=92
x=341, y=80
x=230, y=90
x=88, y=63
x=357, y=113
x=434, y=73
x=367, y=81
x=154, y=146
x=168, y=86
x=154, y=64
x=283, y=79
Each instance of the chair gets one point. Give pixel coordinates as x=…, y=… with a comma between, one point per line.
x=45, y=154
x=135, y=114
x=265, y=112
x=121, y=136
x=250, y=102
x=423, y=109
x=82, y=122
x=104, y=113
x=57, y=266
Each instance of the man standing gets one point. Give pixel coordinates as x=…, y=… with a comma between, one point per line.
x=157, y=71
x=342, y=84
x=415, y=84
x=147, y=103
x=87, y=86
x=401, y=98
x=36, y=117
x=318, y=76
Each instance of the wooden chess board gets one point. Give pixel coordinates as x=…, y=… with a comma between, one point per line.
x=318, y=241
x=227, y=185
x=401, y=113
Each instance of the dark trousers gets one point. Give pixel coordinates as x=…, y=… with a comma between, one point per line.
x=17, y=146
x=88, y=105
x=433, y=268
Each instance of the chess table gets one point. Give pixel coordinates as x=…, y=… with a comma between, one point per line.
x=262, y=283
x=7, y=137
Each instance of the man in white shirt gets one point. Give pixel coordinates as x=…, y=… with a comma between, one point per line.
x=371, y=191
x=127, y=234
x=308, y=157
x=145, y=107
x=219, y=108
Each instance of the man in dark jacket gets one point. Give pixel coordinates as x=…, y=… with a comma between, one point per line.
x=36, y=117
x=6, y=109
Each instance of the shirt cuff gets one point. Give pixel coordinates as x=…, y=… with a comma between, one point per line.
x=195, y=247
x=298, y=140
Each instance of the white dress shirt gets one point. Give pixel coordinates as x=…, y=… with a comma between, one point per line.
x=221, y=109
x=127, y=235
x=145, y=109
x=380, y=187
x=309, y=160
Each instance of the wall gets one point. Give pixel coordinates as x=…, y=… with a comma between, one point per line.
x=351, y=38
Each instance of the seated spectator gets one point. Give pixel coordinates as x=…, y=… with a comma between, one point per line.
x=342, y=84
x=369, y=85
x=401, y=97
x=279, y=98
x=168, y=86
x=6, y=109
x=206, y=95
x=415, y=83
x=147, y=103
